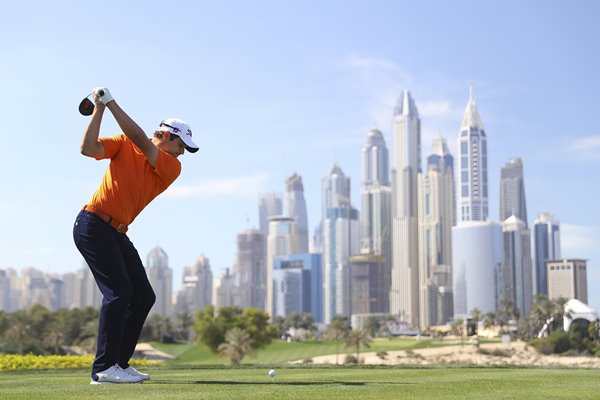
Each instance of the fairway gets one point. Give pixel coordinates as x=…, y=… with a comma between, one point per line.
x=312, y=383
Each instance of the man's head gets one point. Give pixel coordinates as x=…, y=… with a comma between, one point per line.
x=178, y=128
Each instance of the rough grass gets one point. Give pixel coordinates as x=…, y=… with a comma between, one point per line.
x=179, y=382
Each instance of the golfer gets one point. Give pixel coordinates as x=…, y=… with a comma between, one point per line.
x=140, y=169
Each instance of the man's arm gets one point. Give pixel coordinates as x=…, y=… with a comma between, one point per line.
x=90, y=146
x=134, y=132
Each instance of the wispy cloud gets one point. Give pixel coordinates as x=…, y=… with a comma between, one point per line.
x=231, y=186
x=578, y=240
x=587, y=148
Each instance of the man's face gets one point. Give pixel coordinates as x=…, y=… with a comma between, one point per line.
x=175, y=147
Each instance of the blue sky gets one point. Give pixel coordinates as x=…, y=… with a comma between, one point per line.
x=272, y=88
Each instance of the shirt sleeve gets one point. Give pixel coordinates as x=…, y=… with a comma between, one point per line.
x=112, y=145
x=167, y=168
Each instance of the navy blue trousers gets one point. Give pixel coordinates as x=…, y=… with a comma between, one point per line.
x=121, y=277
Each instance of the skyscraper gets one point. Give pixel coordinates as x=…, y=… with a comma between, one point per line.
x=547, y=247
x=296, y=208
x=269, y=205
x=282, y=240
x=161, y=279
x=375, y=224
x=223, y=290
x=436, y=218
x=340, y=241
x=477, y=242
x=516, y=271
x=197, y=286
x=512, y=191
x=472, y=174
x=250, y=270
x=406, y=164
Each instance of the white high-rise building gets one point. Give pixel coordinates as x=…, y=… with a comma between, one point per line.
x=269, y=205
x=472, y=170
x=477, y=242
x=296, y=208
x=340, y=240
x=250, y=270
x=477, y=255
x=223, y=290
x=547, y=247
x=375, y=225
x=512, y=191
x=160, y=276
x=516, y=272
x=196, y=292
x=282, y=240
x=406, y=164
x=4, y=291
x=436, y=219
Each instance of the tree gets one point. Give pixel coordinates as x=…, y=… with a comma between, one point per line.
x=372, y=326
x=337, y=330
x=211, y=328
x=20, y=330
x=236, y=346
x=182, y=325
x=356, y=339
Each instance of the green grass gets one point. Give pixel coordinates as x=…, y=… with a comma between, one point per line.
x=279, y=351
x=312, y=383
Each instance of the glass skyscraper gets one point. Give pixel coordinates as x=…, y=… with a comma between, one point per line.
x=296, y=208
x=512, y=191
x=547, y=247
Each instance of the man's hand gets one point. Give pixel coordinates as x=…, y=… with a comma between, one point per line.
x=102, y=95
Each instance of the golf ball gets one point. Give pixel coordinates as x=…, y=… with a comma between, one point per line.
x=272, y=373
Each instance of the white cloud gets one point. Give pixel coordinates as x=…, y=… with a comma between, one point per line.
x=587, y=148
x=232, y=186
x=577, y=240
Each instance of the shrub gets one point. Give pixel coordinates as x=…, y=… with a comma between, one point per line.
x=350, y=359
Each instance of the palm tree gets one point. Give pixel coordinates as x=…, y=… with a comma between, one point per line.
x=358, y=338
x=183, y=323
x=20, y=330
x=54, y=336
x=236, y=346
x=338, y=329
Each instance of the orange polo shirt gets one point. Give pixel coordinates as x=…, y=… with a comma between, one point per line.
x=130, y=182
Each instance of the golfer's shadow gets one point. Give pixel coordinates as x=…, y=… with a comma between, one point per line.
x=282, y=383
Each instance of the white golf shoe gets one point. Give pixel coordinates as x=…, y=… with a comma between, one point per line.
x=114, y=374
x=134, y=372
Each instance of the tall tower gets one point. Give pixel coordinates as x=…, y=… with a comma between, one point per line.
x=282, y=240
x=477, y=242
x=250, y=270
x=269, y=205
x=406, y=164
x=473, y=173
x=296, y=208
x=512, y=191
x=375, y=261
x=197, y=285
x=436, y=218
x=340, y=241
x=547, y=247
x=161, y=279
x=516, y=271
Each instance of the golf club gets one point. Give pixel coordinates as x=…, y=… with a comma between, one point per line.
x=86, y=107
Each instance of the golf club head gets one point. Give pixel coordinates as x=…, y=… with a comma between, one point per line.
x=86, y=107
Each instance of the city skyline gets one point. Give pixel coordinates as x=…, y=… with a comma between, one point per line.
x=296, y=92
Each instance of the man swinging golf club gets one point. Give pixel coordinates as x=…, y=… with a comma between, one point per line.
x=140, y=169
